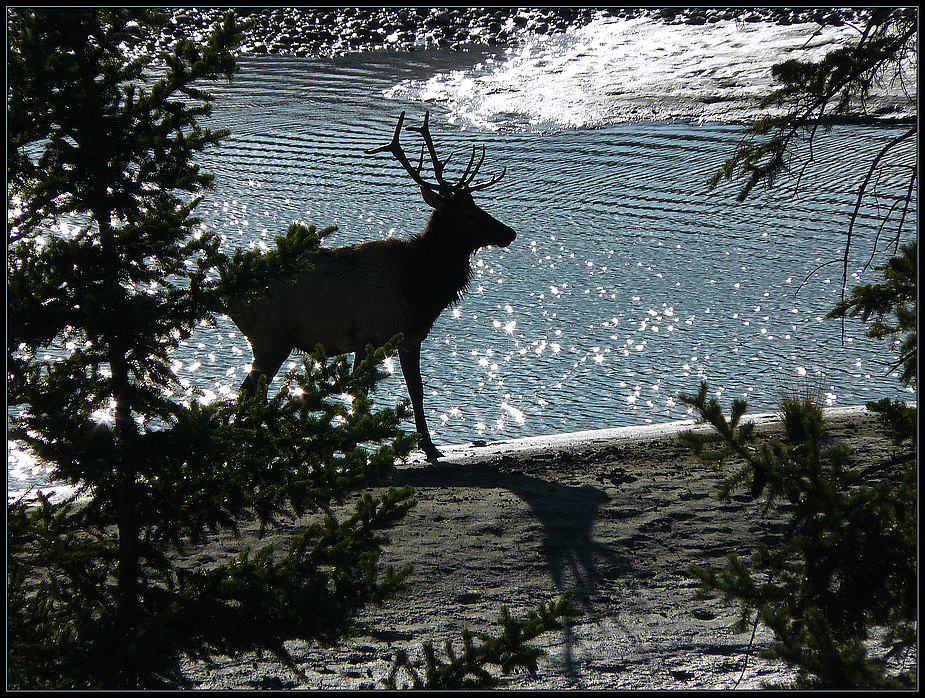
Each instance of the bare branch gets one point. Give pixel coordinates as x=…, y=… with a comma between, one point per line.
x=857, y=204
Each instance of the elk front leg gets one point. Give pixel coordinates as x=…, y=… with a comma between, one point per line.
x=410, y=359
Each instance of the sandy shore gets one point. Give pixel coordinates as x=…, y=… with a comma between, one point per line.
x=617, y=517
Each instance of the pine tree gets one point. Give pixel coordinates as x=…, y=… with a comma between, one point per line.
x=467, y=669
x=814, y=95
x=108, y=272
x=839, y=586
x=893, y=305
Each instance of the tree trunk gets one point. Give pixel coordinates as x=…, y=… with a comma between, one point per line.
x=126, y=499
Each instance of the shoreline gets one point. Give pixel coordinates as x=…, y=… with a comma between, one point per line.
x=325, y=31
x=539, y=445
x=547, y=444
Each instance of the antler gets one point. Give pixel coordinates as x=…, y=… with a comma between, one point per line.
x=394, y=147
x=424, y=130
x=465, y=184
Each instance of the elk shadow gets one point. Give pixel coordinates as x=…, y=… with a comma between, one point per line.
x=565, y=515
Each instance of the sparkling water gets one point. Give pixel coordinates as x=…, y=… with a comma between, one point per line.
x=630, y=281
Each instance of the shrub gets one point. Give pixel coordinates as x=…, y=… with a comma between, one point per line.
x=839, y=586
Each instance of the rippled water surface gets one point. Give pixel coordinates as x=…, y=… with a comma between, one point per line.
x=629, y=282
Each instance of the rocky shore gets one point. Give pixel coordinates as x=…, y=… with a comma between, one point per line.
x=307, y=31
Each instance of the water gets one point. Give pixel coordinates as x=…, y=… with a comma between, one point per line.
x=616, y=70
x=629, y=281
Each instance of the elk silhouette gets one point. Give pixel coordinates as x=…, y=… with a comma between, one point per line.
x=367, y=293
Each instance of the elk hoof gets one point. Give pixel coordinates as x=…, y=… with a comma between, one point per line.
x=431, y=451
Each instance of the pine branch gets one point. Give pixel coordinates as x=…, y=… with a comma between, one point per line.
x=507, y=650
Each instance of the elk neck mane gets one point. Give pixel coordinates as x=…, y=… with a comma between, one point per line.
x=439, y=272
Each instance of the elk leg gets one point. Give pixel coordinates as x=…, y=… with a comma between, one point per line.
x=263, y=365
x=358, y=357
x=252, y=381
x=410, y=358
x=249, y=386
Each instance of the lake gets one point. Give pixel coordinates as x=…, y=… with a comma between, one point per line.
x=629, y=283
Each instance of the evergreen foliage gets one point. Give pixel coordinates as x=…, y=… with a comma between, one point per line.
x=108, y=273
x=467, y=670
x=839, y=586
x=801, y=404
x=816, y=95
x=893, y=305
x=842, y=577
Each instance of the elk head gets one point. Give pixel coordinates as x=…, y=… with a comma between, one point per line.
x=455, y=212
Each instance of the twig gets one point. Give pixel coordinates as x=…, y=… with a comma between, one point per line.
x=810, y=275
x=857, y=207
x=748, y=651
x=908, y=198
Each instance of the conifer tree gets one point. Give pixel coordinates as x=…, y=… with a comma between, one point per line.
x=108, y=272
x=467, y=669
x=891, y=308
x=839, y=586
x=816, y=95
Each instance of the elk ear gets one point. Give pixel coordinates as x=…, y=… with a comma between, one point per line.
x=433, y=199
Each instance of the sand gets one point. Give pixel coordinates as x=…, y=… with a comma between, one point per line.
x=617, y=517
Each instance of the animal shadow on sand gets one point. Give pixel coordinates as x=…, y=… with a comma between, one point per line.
x=565, y=514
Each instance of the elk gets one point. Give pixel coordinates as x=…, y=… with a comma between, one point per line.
x=367, y=293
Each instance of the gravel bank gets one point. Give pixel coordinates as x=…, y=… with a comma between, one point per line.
x=323, y=31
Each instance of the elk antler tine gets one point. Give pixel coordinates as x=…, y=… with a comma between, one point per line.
x=394, y=147
x=424, y=125
x=465, y=184
x=424, y=130
x=390, y=147
x=478, y=165
x=487, y=183
x=481, y=160
x=462, y=180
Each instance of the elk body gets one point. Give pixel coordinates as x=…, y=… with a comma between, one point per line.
x=367, y=293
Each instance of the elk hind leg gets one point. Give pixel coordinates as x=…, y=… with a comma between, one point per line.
x=267, y=362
